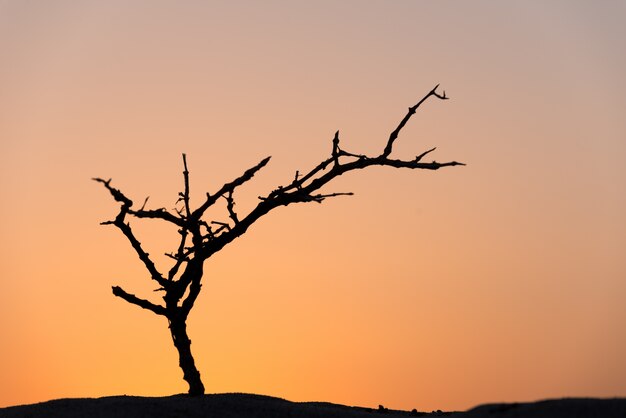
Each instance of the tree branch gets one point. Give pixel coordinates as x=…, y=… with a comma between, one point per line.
x=319, y=198
x=186, y=193
x=423, y=154
x=121, y=223
x=180, y=256
x=142, y=303
x=394, y=135
x=299, y=191
x=161, y=213
x=228, y=187
x=335, y=152
x=117, y=195
x=230, y=207
x=194, y=291
x=143, y=256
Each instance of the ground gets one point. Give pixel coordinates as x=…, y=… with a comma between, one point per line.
x=257, y=406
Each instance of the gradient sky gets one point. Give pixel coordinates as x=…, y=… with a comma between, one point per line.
x=501, y=281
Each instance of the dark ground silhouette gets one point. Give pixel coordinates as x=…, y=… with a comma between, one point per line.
x=258, y=406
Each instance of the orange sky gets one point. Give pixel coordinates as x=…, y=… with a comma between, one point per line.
x=501, y=281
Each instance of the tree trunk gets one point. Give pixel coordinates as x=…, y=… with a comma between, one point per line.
x=178, y=329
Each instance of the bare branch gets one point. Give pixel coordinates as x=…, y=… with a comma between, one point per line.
x=349, y=154
x=335, y=153
x=298, y=184
x=127, y=231
x=117, y=195
x=434, y=165
x=281, y=197
x=211, y=199
x=142, y=303
x=394, y=135
x=141, y=213
x=143, y=256
x=160, y=213
x=296, y=180
x=186, y=192
x=230, y=206
x=194, y=291
x=423, y=154
x=222, y=226
x=303, y=188
x=180, y=256
x=144, y=203
x=320, y=197
x=338, y=152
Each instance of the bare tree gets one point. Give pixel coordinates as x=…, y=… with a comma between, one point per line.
x=200, y=239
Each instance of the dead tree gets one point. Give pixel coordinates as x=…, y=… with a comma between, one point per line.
x=200, y=239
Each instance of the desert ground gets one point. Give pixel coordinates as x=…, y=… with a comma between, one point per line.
x=258, y=406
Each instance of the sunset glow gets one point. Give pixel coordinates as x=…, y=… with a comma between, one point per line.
x=504, y=280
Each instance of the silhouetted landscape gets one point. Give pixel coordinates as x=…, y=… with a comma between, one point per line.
x=238, y=405
x=418, y=204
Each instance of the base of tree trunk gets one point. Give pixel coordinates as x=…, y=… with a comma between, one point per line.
x=186, y=362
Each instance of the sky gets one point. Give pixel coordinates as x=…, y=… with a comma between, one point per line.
x=500, y=281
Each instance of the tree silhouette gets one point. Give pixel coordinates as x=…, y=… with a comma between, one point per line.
x=200, y=239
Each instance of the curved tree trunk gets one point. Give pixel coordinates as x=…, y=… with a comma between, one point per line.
x=178, y=329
